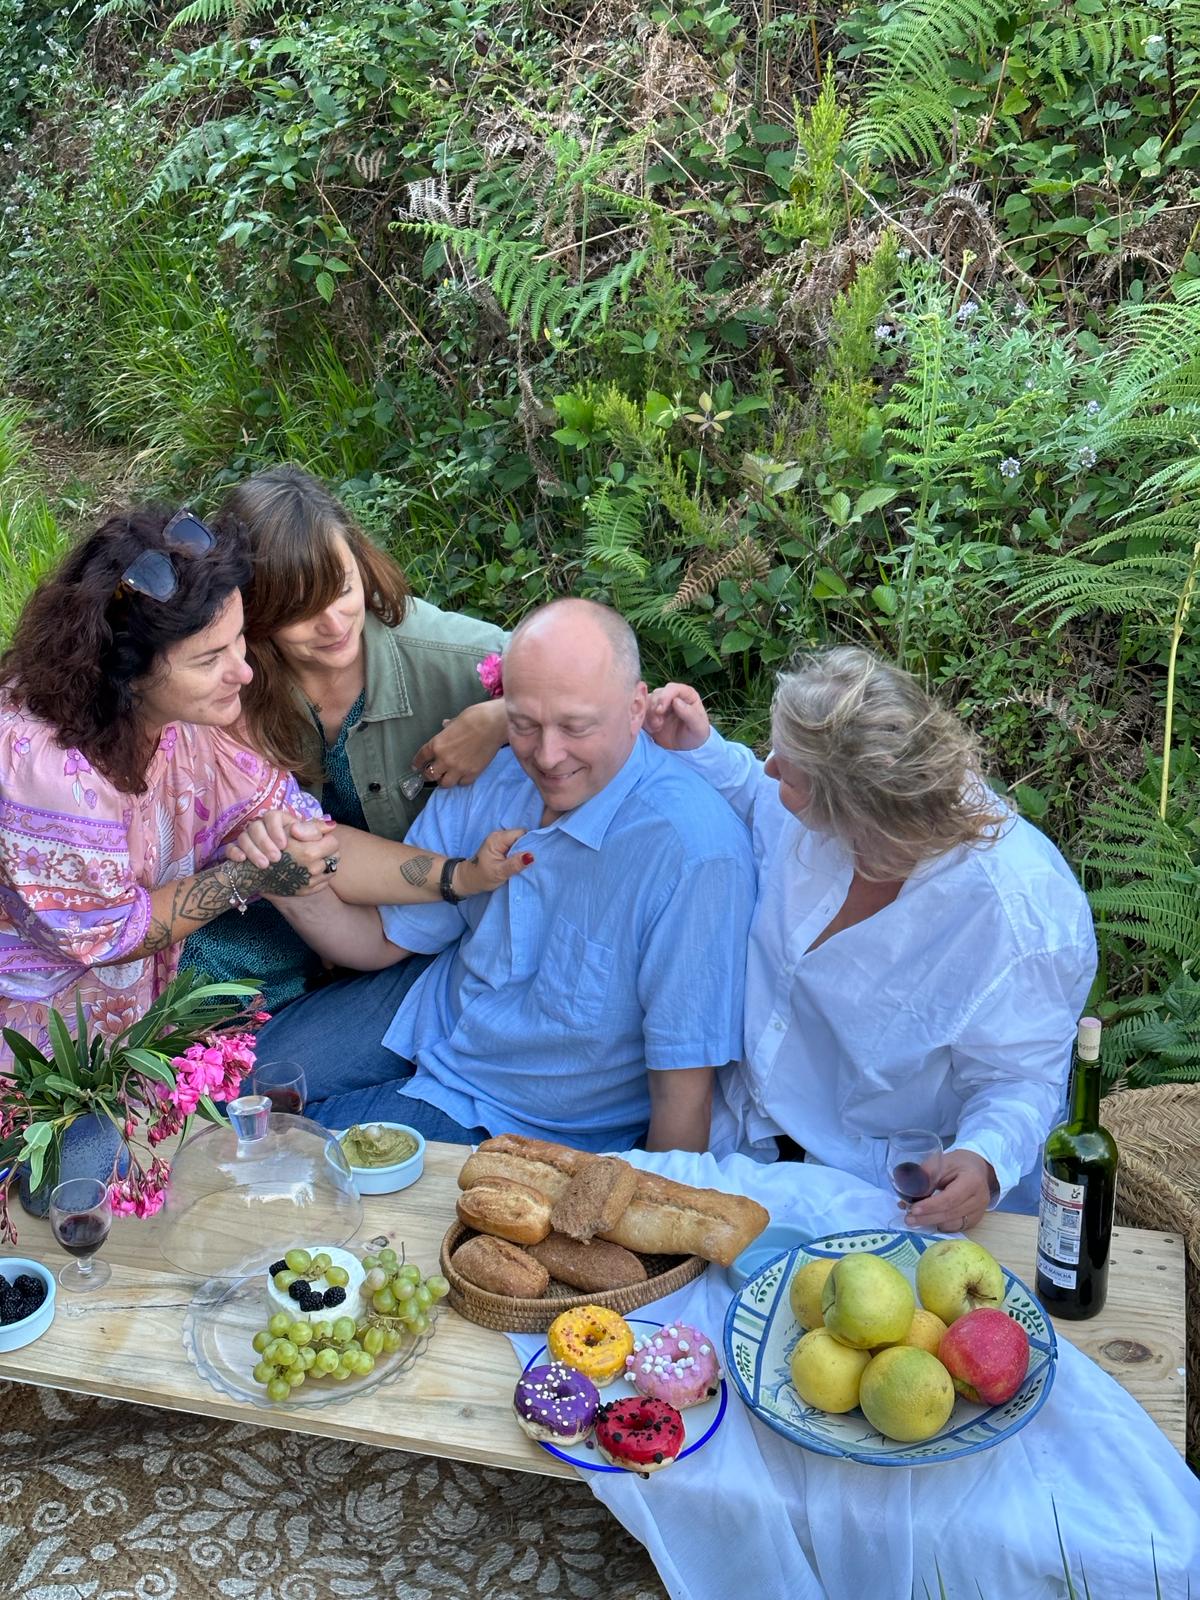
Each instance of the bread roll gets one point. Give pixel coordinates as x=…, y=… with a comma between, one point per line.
x=663, y=1218
x=595, y=1198
x=546, y=1167
x=500, y=1268
x=590, y=1267
x=507, y=1210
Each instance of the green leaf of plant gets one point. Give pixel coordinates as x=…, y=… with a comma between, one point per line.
x=885, y=599
x=324, y=286
x=827, y=585
x=150, y=1066
x=838, y=508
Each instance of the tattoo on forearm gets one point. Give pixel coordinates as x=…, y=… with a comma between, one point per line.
x=416, y=870
x=198, y=900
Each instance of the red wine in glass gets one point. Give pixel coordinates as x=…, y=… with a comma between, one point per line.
x=911, y=1181
x=80, y=1217
x=82, y=1234
x=284, y=1099
x=914, y=1160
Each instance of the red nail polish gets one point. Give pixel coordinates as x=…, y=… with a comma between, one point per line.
x=527, y=859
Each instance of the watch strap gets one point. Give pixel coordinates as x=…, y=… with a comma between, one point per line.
x=447, y=884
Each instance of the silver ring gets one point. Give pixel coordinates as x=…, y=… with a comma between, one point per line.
x=331, y=864
x=429, y=766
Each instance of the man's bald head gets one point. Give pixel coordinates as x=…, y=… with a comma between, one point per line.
x=574, y=698
x=570, y=624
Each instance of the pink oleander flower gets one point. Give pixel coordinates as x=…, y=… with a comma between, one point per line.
x=140, y=1194
x=491, y=675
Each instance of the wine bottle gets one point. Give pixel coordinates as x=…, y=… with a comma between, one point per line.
x=1079, y=1192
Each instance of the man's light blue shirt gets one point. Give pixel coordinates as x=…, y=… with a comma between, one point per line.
x=622, y=949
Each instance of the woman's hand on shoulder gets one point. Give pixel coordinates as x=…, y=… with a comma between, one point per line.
x=964, y=1193
x=492, y=865
x=465, y=746
x=676, y=718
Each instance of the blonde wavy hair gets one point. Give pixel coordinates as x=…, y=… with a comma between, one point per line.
x=894, y=775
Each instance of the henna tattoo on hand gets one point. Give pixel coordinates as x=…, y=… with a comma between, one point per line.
x=416, y=870
x=285, y=877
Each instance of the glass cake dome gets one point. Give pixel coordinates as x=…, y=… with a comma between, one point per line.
x=240, y=1196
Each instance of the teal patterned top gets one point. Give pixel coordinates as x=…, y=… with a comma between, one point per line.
x=260, y=944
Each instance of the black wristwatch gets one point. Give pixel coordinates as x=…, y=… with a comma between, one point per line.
x=447, y=883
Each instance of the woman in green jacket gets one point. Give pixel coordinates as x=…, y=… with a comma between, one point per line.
x=368, y=694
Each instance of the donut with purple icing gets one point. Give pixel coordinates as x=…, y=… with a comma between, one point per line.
x=556, y=1404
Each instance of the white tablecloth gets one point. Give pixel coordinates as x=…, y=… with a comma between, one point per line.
x=754, y=1515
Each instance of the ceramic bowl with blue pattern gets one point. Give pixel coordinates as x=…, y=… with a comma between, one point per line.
x=761, y=1332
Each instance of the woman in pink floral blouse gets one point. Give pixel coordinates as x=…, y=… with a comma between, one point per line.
x=120, y=784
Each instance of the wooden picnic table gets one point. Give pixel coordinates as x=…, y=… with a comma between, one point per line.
x=125, y=1341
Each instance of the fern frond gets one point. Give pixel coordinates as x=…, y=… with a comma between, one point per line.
x=1149, y=888
x=615, y=524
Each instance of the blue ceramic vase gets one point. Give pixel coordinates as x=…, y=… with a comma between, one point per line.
x=89, y=1148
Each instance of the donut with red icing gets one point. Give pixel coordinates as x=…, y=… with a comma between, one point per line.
x=639, y=1434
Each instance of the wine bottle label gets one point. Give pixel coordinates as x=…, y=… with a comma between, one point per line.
x=1060, y=1222
x=1064, y=1277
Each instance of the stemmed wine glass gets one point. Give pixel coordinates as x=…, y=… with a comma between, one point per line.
x=914, y=1163
x=283, y=1083
x=80, y=1217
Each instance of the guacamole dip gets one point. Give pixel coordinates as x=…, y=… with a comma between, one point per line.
x=373, y=1145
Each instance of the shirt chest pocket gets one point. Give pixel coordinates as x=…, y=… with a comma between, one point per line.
x=573, y=978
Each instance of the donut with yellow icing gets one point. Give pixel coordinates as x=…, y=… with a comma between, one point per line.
x=593, y=1340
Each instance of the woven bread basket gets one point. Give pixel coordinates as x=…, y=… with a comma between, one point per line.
x=1158, y=1186
x=664, y=1274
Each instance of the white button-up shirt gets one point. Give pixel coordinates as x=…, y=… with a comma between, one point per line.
x=952, y=1009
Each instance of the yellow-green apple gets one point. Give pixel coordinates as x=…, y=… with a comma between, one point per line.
x=987, y=1355
x=925, y=1334
x=955, y=1276
x=804, y=1292
x=906, y=1393
x=826, y=1373
x=867, y=1301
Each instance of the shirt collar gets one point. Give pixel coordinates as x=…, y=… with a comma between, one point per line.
x=590, y=822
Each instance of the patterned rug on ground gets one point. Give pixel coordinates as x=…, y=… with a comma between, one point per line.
x=102, y=1501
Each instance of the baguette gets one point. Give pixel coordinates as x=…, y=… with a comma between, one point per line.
x=673, y=1219
x=595, y=1199
x=590, y=1267
x=507, y=1210
x=663, y=1218
x=500, y=1268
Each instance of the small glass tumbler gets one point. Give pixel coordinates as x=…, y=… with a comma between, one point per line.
x=283, y=1083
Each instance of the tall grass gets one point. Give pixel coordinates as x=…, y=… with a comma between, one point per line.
x=31, y=540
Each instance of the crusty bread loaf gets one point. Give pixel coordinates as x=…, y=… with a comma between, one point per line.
x=669, y=1218
x=590, y=1267
x=663, y=1218
x=546, y=1167
x=595, y=1199
x=507, y=1210
x=501, y=1268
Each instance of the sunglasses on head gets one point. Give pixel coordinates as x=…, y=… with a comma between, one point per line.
x=154, y=573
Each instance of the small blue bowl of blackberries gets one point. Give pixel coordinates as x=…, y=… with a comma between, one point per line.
x=26, y=1301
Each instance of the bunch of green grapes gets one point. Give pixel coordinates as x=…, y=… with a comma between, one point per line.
x=290, y=1352
x=399, y=1302
x=399, y=1297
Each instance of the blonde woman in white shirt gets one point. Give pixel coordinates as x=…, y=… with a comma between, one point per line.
x=919, y=954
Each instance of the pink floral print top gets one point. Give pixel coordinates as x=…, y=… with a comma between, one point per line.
x=78, y=859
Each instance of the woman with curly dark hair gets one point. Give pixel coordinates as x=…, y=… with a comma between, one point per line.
x=120, y=785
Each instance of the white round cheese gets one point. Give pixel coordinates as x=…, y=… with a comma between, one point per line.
x=351, y=1306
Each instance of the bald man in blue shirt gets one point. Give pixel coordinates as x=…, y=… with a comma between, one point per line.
x=591, y=998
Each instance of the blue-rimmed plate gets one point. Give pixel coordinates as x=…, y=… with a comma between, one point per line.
x=761, y=1332
x=699, y=1422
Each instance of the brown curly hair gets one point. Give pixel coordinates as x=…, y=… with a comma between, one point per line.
x=81, y=649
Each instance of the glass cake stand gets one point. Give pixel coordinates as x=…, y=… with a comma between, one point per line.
x=240, y=1196
x=225, y=1315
